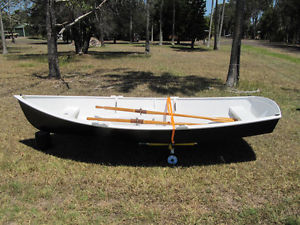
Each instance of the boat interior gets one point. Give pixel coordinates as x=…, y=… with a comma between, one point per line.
x=80, y=108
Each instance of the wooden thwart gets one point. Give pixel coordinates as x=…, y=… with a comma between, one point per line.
x=139, y=121
x=141, y=111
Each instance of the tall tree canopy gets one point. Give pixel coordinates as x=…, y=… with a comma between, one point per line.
x=195, y=22
x=126, y=20
x=267, y=19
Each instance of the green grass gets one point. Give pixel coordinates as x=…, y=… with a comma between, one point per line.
x=85, y=180
x=268, y=52
x=26, y=65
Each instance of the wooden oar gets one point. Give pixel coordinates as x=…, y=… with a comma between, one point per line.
x=139, y=121
x=141, y=111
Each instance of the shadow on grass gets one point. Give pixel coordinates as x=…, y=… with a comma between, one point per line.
x=295, y=90
x=40, y=57
x=283, y=46
x=184, y=48
x=119, y=54
x=44, y=42
x=123, y=81
x=166, y=83
x=122, y=152
x=70, y=55
x=16, y=49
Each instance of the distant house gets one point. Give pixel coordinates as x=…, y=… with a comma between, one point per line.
x=21, y=30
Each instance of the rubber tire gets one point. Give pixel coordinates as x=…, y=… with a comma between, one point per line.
x=172, y=160
x=43, y=140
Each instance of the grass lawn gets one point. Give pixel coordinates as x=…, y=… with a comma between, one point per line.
x=84, y=180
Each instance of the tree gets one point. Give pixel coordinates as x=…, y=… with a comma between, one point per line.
x=9, y=6
x=82, y=25
x=131, y=22
x=228, y=23
x=54, y=71
x=216, y=30
x=173, y=23
x=289, y=13
x=195, y=22
x=4, y=47
x=37, y=18
x=117, y=19
x=14, y=13
x=147, y=46
x=210, y=22
x=280, y=21
x=222, y=20
x=234, y=66
x=161, y=22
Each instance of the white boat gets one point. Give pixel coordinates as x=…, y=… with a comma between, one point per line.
x=133, y=117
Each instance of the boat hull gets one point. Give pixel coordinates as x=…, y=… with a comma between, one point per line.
x=52, y=124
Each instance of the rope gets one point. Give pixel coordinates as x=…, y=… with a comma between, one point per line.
x=170, y=111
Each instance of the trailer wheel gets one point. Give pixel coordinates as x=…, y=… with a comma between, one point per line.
x=42, y=140
x=172, y=160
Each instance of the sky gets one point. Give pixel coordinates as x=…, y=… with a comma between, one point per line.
x=208, y=5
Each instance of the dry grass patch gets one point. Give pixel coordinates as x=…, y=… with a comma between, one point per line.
x=83, y=180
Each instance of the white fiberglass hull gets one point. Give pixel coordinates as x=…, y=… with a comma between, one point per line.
x=68, y=114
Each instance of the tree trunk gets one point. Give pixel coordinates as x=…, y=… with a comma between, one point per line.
x=152, y=38
x=86, y=44
x=216, y=36
x=77, y=39
x=222, y=20
x=254, y=25
x=160, y=23
x=102, y=40
x=193, y=43
x=10, y=23
x=4, y=47
x=130, y=30
x=210, y=22
x=130, y=24
x=100, y=25
x=147, y=46
x=173, y=24
x=52, y=41
x=69, y=25
x=234, y=66
x=82, y=37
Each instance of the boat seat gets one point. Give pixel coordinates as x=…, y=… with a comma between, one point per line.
x=71, y=112
x=240, y=113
